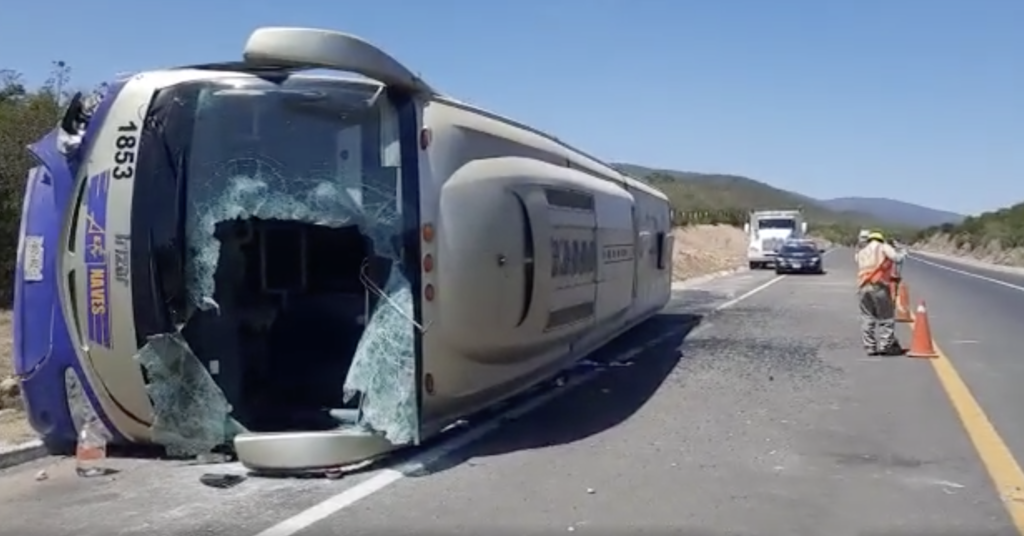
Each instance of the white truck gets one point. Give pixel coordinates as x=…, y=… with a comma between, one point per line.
x=767, y=230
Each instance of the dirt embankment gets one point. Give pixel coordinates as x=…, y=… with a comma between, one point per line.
x=991, y=253
x=13, y=427
x=9, y=395
x=706, y=249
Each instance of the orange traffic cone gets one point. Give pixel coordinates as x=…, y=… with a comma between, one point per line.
x=921, y=344
x=902, y=299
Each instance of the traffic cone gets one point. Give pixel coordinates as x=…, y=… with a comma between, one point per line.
x=902, y=299
x=921, y=344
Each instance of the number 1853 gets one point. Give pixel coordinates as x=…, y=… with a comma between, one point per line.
x=125, y=145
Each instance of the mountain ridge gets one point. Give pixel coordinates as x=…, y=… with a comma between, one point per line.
x=895, y=210
x=694, y=190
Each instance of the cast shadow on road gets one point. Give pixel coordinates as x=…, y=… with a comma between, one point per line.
x=597, y=405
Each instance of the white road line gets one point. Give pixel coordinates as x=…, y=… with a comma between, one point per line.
x=386, y=477
x=968, y=274
x=742, y=297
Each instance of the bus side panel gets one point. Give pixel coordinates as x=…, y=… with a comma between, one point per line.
x=517, y=260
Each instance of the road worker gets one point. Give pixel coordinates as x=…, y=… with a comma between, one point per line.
x=877, y=264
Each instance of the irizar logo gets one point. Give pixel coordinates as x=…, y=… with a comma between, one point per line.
x=571, y=258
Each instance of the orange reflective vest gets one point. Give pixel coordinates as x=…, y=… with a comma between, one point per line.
x=882, y=273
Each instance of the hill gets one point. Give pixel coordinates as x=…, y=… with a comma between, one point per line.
x=691, y=191
x=695, y=191
x=892, y=211
x=996, y=236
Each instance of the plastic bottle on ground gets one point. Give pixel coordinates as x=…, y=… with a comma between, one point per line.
x=91, y=453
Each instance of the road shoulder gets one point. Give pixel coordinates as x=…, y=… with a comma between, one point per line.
x=968, y=262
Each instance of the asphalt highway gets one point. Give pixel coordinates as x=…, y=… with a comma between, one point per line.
x=747, y=407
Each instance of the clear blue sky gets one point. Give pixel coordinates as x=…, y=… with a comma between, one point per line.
x=919, y=100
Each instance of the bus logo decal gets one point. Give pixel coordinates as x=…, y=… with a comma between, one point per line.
x=573, y=258
x=97, y=274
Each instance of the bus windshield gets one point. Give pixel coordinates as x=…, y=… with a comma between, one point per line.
x=311, y=150
x=268, y=220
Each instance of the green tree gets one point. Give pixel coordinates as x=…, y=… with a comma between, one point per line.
x=1003, y=228
x=25, y=115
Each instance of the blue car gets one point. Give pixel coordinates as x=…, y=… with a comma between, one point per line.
x=799, y=257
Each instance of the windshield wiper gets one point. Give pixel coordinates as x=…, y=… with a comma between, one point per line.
x=179, y=166
x=170, y=288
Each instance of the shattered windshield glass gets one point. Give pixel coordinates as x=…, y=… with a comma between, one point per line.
x=308, y=151
x=290, y=154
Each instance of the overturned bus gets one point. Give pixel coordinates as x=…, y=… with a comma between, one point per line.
x=313, y=270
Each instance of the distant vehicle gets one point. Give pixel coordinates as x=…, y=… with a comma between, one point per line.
x=810, y=242
x=768, y=230
x=805, y=242
x=799, y=257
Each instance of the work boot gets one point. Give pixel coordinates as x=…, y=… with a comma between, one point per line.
x=892, y=351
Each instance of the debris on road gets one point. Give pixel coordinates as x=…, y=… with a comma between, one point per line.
x=588, y=363
x=14, y=428
x=91, y=451
x=221, y=480
x=213, y=458
x=9, y=392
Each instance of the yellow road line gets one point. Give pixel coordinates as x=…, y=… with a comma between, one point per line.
x=1002, y=467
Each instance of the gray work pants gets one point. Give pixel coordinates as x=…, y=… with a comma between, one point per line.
x=877, y=316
